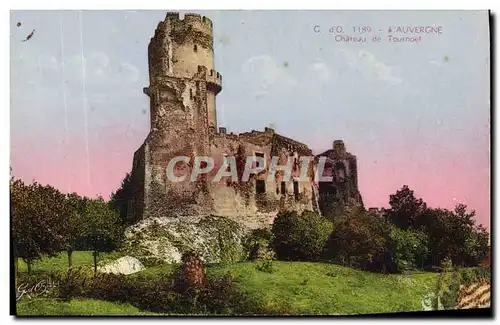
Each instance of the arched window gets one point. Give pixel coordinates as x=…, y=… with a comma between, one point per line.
x=195, y=48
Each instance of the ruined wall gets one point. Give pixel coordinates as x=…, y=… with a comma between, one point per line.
x=343, y=189
x=241, y=201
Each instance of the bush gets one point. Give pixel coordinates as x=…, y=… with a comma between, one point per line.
x=73, y=282
x=410, y=248
x=187, y=291
x=223, y=296
x=111, y=287
x=195, y=293
x=361, y=240
x=300, y=237
x=266, y=266
x=258, y=245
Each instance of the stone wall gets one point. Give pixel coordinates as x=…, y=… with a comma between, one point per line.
x=241, y=200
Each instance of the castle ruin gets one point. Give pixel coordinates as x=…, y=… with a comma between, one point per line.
x=183, y=85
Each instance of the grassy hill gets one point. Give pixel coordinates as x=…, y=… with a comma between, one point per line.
x=285, y=287
x=321, y=288
x=80, y=307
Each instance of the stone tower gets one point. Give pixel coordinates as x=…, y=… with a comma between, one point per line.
x=182, y=89
x=181, y=52
x=342, y=167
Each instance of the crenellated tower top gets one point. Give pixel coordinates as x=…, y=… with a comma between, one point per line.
x=183, y=49
x=180, y=45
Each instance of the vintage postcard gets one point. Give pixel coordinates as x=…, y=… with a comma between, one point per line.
x=245, y=162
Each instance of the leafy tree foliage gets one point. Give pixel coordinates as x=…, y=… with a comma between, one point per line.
x=300, y=237
x=74, y=224
x=361, y=239
x=410, y=248
x=121, y=198
x=454, y=235
x=103, y=228
x=477, y=246
x=450, y=234
x=37, y=214
x=405, y=208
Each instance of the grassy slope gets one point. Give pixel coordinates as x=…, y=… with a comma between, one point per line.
x=320, y=288
x=53, y=307
x=298, y=287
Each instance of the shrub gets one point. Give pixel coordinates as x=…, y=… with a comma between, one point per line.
x=300, y=237
x=474, y=275
x=73, y=282
x=266, y=266
x=258, y=245
x=361, y=240
x=261, y=251
x=223, y=296
x=111, y=287
x=447, y=286
x=187, y=291
x=194, y=293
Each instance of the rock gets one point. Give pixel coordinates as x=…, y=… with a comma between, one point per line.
x=123, y=265
x=164, y=240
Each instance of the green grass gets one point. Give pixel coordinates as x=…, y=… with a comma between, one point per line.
x=156, y=271
x=292, y=287
x=320, y=288
x=87, y=307
x=60, y=262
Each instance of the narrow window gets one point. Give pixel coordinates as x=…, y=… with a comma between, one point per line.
x=296, y=189
x=283, y=187
x=258, y=154
x=260, y=186
x=191, y=93
x=225, y=162
x=195, y=48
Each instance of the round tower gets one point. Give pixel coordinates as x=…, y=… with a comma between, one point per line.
x=178, y=49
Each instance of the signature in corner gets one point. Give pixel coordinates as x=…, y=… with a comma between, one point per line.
x=31, y=290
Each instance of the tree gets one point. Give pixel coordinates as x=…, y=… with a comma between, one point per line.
x=405, y=208
x=476, y=246
x=454, y=235
x=121, y=198
x=361, y=239
x=74, y=225
x=300, y=237
x=103, y=229
x=37, y=214
x=410, y=248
